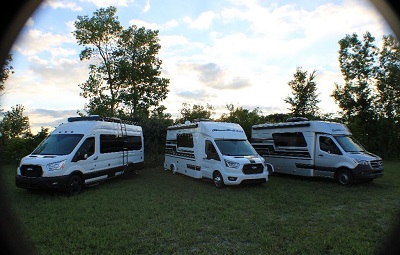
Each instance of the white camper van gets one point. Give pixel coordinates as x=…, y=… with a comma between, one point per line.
x=315, y=148
x=85, y=150
x=213, y=150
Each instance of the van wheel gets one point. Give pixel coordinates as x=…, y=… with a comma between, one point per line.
x=75, y=185
x=218, y=180
x=344, y=177
x=269, y=169
x=173, y=169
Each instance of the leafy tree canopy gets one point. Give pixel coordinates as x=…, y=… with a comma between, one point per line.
x=126, y=77
x=304, y=99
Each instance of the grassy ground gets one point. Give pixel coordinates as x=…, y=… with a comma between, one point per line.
x=157, y=212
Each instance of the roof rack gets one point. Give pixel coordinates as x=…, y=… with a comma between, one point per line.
x=99, y=118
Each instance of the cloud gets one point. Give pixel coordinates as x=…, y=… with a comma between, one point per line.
x=140, y=23
x=47, y=118
x=202, y=22
x=146, y=7
x=106, y=3
x=213, y=76
x=36, y=41
x=197, y=95
x=55, y=4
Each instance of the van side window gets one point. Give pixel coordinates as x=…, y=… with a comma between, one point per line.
x=211, y=152
x=293, y=139
x=134, y=143
x=110, y=143
x=185, y=140
x=86, y=150
x=326, y=144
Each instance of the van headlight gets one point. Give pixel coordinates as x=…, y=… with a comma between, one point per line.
x=362, y=162
x=56, y=165
x=231, y=164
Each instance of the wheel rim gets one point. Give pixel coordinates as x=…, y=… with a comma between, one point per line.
x=75, y=185
x=344, y=178
x=218, y=180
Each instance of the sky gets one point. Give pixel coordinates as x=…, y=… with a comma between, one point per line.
x=215, y=52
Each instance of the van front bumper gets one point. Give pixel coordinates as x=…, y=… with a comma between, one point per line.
x=232, y=179
x=365, y=172
x=54, y=183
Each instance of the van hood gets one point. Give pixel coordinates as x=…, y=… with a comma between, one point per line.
x=363, y=155
x=41, y=159
x=244, y=159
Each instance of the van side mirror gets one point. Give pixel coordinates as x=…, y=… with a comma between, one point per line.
x=212, y=155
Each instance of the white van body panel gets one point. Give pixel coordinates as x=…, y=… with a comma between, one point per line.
x=122, y=149
x=190, y=157
x=296, y=148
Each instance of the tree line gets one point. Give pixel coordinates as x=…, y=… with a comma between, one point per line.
x=125, y=81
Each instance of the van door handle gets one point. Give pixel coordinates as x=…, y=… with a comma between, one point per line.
x=320, y=155
x=96, y=157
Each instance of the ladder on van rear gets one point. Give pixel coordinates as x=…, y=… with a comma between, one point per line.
x=125, y=150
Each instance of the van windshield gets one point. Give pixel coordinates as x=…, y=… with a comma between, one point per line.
x=235, y=148
x=58, y=144
x=349, y=144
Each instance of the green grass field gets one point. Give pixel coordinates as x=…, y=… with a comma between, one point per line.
x=157, y=212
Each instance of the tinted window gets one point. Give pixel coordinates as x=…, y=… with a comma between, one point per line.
x=112, y=143
x=294, y=139
x=58, y=144
x=134, y=143
x=235, y=147
x=185, y=140
x=328, y=145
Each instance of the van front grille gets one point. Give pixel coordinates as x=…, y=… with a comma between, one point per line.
x=31, y=171
x=377, y=164
x=253, y=169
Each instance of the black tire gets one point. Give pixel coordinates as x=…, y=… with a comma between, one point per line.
x=75, y=185
x=218, y=180
x=345, y=177
x=173, y=169
x=130, y=171
x=269, y=169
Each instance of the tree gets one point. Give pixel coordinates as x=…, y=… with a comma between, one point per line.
x=196, y=112
x=154, y=132
x=244, y=117
x=139, y=71
x=126, y=80
x=5, y=72
x=277, y=117
x=357, y=64
x=14, y=123
x=99, y=35
x=356, y=99
x=16, y=139
x=304, y=100
x=388, y=78
x=388, y=96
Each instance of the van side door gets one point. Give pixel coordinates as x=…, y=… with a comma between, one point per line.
x=327, y=154
x=85, y=156
x=210, y=159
